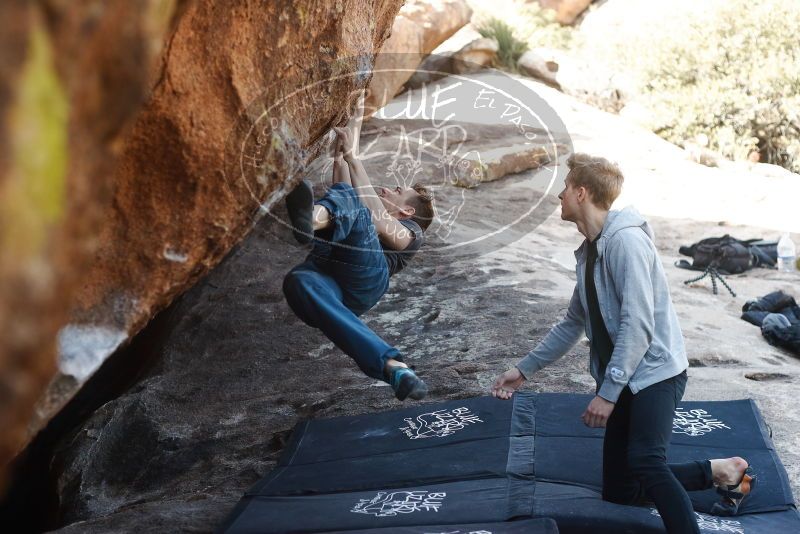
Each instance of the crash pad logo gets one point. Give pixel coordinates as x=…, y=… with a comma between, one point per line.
x=389, y=504
x=708, y=523
x=439, y=424
x=695, y=422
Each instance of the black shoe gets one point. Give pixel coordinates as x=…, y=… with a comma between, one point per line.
x=406, y=384
x=300, y=205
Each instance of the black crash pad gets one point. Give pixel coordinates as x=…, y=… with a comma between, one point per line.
x=579, y=510
x=483, y=460
x=702, y=430
x=525, y=526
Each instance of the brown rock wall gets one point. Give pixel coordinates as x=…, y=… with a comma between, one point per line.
x=169, y=157
x=73, y=73
x=181, y=198
x=16, y=366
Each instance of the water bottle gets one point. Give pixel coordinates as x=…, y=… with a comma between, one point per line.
x=786, y=254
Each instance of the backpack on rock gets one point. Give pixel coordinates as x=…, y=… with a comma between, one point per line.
x=729, y=255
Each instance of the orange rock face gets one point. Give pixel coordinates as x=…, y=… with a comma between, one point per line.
x=24, y=366
x=246, y=94
x=173, y=153
x=73, y=74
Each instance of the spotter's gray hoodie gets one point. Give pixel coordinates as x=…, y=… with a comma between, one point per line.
x=634, y=300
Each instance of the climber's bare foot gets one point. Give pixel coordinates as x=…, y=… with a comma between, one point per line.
x=728, y=471
x=391, y=362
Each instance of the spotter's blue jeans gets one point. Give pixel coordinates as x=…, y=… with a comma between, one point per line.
x=342, y=278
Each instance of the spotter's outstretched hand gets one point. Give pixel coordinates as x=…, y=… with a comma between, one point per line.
x=507, y=383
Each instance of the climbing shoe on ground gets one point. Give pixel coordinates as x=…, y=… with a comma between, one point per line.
x=733, y=495
x=300, y=205
x=406, y=384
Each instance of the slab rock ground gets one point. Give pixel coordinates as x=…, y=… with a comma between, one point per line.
x=235, y=370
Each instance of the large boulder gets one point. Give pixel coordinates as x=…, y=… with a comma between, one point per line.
x=72, y=74
x=419, y=28
x=171, y=159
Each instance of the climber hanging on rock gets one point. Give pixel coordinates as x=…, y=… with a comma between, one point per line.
x=361, y=235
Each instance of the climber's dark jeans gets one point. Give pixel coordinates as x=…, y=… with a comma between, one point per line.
x=344, y=276
x=635, y=455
